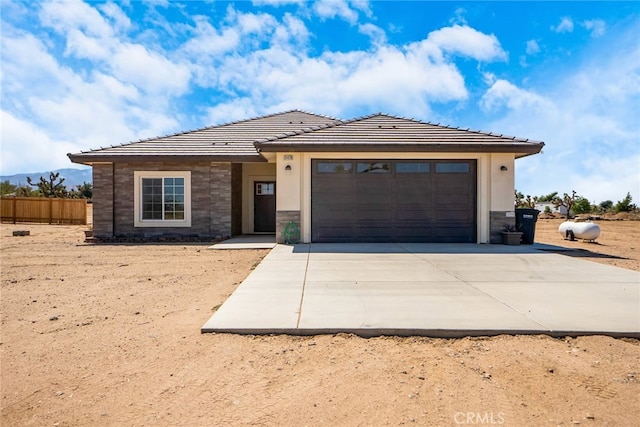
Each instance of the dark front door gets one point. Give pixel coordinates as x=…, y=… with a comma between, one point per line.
x=264, y=203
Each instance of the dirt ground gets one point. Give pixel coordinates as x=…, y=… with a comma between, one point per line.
x=96, y=335
x=618, y=244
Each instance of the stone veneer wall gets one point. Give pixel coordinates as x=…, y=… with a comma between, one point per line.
x=282, y=218
x=236, y=199
x=103, y=200
x=210, y=200
x=497, y=221
x=220, y=200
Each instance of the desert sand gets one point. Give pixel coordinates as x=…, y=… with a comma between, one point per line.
x=109, y=335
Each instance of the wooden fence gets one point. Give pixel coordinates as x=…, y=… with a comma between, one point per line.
x=43, y=210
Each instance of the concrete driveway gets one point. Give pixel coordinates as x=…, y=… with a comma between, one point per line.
x=443, y=290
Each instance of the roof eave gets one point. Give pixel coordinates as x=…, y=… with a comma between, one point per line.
x=90, y=158
x=526, y=149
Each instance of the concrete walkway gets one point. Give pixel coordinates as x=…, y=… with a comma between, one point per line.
x=247, y=241
x=432, y=290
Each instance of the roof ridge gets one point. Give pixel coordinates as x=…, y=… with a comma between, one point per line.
x=339, y=122
x=478, y=131
x=220, y=125
x=335, y=123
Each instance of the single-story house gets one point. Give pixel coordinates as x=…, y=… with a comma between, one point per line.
x=377, y=178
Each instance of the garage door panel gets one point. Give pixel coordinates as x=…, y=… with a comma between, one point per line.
x=337, y=216
x=414, y=232
x=403, y=184
x=377, y=206
x=336, y=201
x=371, y=199
x=375, y=192
x=373, y=218
x=426, y=206
x=453, y=235
x=379, y=230
x=444, y=217
x=457, y=205
x=417, y=216
x=451, y=187
x=444, y=198
x=419, y=197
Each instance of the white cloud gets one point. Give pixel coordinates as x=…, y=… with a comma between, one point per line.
x=532, y=47
x=363, y=6
x=401, y=79
x=466, y=41
x=149, y=71
x=375, y=33
x=596, y=26
x=331, y=9
x=565, y=26
x=75, y=14
x=82, y=46
x=28, y=68
x=207, y=40
x=587, y=120
x=291, y=34
x=26, y=145
x=120, y=20
x=459, y=18
x=258, y=24
x=237, y=109
x=128, y=88
x=92, y=36
x=505, y=94
x=118, y=92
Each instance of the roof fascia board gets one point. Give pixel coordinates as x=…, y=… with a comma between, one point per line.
x=89, y=159
x=533, y=148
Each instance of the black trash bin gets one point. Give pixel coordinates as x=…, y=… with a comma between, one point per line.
x=526, y=222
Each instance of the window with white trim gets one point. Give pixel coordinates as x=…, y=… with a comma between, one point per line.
x=162, y=199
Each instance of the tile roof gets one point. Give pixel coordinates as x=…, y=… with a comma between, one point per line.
x=297, y=130
x=381, y=132
x=227, y=142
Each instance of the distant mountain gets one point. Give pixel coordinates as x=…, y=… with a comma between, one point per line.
x=72, y=177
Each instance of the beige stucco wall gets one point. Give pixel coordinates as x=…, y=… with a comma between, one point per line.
x=288, y=190
x=252, y=172
x=502, y=182
x=494, y=187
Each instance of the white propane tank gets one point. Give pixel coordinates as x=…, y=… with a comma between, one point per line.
x=580, y=230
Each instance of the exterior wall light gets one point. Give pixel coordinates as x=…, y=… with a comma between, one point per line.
x=503, y=168
x=287, y=168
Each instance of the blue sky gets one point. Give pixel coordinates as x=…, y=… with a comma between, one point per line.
x=79, y=75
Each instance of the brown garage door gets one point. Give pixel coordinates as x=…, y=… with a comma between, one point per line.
x=393, y=201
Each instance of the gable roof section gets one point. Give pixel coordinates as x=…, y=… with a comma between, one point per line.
x=384, y=133
x=226, y=142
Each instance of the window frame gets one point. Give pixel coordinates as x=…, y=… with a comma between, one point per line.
x=419, y=163
x=138, y=202
x=442, y=164
x=335, y=162
x=374, y=171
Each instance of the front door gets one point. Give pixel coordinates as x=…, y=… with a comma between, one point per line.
x=264, y=207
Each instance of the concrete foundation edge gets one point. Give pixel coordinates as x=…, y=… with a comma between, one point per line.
x=431, y=333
